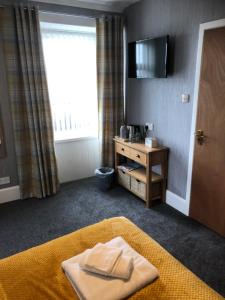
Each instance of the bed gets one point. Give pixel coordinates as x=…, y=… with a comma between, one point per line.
x=36, y=273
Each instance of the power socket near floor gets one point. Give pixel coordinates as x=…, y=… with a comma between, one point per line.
x=4, y=180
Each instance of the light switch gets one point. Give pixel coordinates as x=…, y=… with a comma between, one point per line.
x=185, y=98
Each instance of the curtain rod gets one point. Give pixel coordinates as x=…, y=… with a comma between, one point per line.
x=65, y=14
x=41, y=7
x=5, y=6
x=59, y=13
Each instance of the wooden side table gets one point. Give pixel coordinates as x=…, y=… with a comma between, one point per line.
x=143, y=182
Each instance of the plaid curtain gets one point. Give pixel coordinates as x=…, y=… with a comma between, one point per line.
x=33, y=130
x=110, y=81
x=2, y=140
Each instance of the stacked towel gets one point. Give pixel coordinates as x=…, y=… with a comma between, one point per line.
x=90, y=286
x=107, y=261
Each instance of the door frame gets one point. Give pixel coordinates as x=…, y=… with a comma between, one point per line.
x=202, y=28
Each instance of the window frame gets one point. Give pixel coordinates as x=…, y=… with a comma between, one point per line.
x=56, y=18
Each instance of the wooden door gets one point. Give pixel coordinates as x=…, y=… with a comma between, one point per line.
x=208, y=177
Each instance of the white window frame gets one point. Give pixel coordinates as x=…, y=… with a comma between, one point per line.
x=68, y=20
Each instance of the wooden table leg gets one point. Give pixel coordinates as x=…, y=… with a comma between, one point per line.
x=164, y=168
x=149, y=183
x=116, y=165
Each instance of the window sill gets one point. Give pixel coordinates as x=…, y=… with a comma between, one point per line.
x=76, y=139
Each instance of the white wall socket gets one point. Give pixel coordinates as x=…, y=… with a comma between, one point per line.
x=150, y=126
x=4, y=180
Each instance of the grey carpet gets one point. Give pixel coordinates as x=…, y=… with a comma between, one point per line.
x=27, y=223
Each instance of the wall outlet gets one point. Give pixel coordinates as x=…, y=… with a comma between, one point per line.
x=4, y=180
x=150, y=126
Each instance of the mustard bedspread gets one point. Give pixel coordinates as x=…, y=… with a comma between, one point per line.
x=36, y=273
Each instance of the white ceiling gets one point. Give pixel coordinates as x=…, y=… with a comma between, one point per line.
x=107, y=5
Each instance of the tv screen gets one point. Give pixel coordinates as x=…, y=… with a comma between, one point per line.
x=148, y=58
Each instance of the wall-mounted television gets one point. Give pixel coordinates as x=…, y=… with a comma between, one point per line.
x=148, y=58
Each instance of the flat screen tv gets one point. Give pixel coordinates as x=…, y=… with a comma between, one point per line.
x=148, y=58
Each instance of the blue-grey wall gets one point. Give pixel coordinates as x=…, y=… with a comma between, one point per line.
x=159, y=100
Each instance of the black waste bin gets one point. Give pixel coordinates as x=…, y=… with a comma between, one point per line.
x=104, y=178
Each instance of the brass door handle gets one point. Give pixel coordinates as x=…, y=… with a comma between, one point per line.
x=200, y=136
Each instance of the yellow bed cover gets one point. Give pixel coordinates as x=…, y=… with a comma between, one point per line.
x=36, y=273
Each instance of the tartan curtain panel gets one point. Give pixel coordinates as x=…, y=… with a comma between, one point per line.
x=30, y=106
x=110, y=82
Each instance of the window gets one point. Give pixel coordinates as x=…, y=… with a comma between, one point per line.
x=70, y=59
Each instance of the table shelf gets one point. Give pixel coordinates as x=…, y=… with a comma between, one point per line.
x=140, y=174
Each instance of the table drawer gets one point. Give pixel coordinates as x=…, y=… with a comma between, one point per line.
x=124, y=150
x=138, y=188
x=138, y=156
x=123, y=179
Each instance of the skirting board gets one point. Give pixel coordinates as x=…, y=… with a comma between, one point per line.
x=177, y=202
x=9, y=194
x=180, y=204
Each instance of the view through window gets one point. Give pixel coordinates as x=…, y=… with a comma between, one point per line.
x=70, y=60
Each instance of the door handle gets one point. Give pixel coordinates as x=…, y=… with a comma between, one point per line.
x=200, y=136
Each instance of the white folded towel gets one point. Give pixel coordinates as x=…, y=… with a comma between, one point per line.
x=121, y=268
x=100, y=259
x=90, y=286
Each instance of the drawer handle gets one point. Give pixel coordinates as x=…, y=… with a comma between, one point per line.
x=123, y=172
x=122, y=149
x=137, y=155
x=138, y=180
